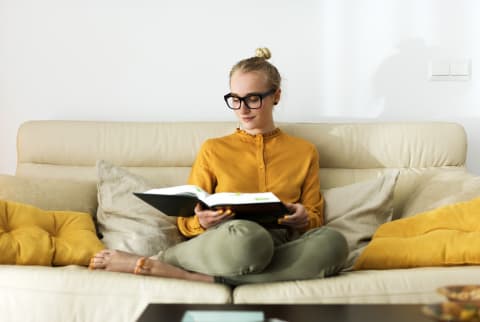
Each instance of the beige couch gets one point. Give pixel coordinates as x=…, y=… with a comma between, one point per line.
x=163, y=153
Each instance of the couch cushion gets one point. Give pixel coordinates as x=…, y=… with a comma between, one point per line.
x=448, y=235
x=74, y=293
x=126, y=222
x=415, y=285
x=31, y=236
x=50, y=194
x=357, y=210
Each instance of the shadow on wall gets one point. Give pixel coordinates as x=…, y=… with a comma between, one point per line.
x=402, y=84
x=401, y=81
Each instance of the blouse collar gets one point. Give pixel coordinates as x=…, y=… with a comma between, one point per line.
x=271, y=134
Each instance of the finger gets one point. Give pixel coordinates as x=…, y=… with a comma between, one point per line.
x=296, y=221
x=222, y=217
x=302, y=223
x=198, y=208
x=285, y=220
x=211, y=213
x=291, y=207
x=225, y=215
x=221, y=212
x=292, y=217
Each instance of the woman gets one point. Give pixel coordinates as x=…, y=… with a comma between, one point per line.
x=258, y=157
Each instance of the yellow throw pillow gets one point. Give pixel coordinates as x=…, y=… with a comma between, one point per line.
x=448, y=235
x=31, y=236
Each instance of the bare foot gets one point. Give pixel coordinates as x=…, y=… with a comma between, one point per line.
x=118, y=261
x=114, y=261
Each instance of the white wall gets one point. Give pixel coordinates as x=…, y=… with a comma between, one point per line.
x=147, y=60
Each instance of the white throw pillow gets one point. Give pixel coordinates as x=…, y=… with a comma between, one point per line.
x=126, y=222
x=441, y=190
x=357, y=210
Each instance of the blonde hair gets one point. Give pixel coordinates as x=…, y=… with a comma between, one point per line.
x=259, y=63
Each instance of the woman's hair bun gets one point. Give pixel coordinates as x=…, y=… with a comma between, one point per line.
x=263, y=53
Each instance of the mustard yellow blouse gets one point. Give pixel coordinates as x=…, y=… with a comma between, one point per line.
x=241, y=162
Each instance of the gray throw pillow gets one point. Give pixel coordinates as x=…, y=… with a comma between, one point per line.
x=357, y=210
x=126, y=222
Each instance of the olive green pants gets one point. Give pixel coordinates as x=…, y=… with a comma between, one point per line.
x=240, y=252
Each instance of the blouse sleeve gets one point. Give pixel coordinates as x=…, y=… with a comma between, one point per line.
x=201, y=176
x=311, y=197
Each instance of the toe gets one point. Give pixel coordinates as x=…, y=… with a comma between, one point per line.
x=103, y=253
x=97, y=263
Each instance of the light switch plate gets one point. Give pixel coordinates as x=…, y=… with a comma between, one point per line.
x=460, y=68
x=450, y=70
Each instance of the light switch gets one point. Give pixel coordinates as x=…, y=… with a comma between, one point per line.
x=460, y=68
x=440, y=68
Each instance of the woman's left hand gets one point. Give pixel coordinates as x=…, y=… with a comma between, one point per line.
x=298, y=217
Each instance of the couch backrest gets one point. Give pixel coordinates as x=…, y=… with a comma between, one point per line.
x=165, y=151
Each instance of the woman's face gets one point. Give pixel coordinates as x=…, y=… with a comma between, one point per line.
x=254, y=121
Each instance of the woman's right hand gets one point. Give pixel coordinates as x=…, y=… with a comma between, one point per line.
x=209, y=218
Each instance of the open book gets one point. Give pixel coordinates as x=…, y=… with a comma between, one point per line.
x=262, y=207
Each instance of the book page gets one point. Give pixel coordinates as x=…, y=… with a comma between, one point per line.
x=177, y=190
x=237, y=198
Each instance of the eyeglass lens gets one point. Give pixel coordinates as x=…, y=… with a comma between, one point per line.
x=252, y=101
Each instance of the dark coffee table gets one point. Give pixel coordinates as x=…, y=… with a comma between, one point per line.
x=297, y=312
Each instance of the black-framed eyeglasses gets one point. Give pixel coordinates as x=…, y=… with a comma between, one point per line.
x=252, y=101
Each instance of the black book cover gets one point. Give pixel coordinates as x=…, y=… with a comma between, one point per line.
x=184, y=204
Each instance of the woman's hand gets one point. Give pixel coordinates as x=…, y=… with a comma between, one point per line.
x=298, y=217
x=209, y=218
